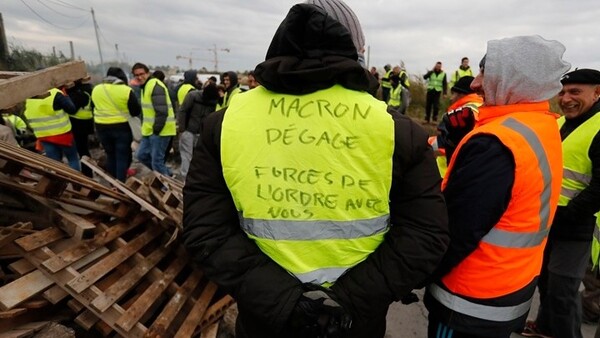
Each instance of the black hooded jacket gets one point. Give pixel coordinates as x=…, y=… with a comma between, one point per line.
x=310, y=52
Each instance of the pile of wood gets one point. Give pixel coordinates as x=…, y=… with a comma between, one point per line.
x=107, y=253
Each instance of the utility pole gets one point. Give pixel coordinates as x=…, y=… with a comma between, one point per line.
x=72, y=51
x=3, y=47
x=117, y=51
x=98, y=42
x=216, y=56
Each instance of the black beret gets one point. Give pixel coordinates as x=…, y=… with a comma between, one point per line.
x=582, y=76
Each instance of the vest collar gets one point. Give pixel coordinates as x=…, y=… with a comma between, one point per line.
x=490, y=113
x=464, y=100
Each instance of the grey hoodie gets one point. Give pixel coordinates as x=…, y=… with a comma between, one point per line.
x=523, y=69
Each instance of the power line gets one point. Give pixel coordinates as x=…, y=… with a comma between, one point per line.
x=51, y=23
x=67, y=5
x=60, y=13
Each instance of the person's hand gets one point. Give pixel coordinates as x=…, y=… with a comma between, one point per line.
x=318, y=315
x=456, y=124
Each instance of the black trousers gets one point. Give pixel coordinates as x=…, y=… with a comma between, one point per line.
x=432, y=105
x=81, y=129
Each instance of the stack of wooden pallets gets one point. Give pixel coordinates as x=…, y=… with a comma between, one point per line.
x=107, y=251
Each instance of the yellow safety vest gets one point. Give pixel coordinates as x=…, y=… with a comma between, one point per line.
x=170, y=128
x=85, y=113
x=182, y=92
x=43, y=119
x=460, y=73
x=385, y=81
x=110, y=103
x=436, y=81
x=395, y=96
x=311, y=181
x=227, y=98
x=577, y=169
x=577, y=166
x=15, y=121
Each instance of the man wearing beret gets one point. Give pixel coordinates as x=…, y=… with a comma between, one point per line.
x=568, y=250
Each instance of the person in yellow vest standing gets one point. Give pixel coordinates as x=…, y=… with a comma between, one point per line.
x=113, y=101
x=437, y=86
x=47, y=115
x=463, y=70
x=190, y=82
x=386, y=85
x=568, y=251
x=232, y=87
x=158, y=120
x=293, y=204
x=82, y=121
x=501, y=188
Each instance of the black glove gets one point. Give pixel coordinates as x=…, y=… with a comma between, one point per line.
x=317, y=315
x=456, y=124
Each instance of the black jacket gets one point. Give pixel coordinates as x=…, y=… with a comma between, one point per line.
x=576, y=220
x=265, y=292
x=193, y=111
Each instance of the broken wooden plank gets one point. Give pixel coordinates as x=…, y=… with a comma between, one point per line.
x=19, y=290
x=162, y=217
x=215, y=311
x=194, y=317
x=12, y=313
x=161, y=325
x=19, y=88
x=40, y=238
x=82, y=249
x=77, y=227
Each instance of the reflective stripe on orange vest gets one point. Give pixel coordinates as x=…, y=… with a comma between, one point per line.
x=498, y=314
x=519, y=239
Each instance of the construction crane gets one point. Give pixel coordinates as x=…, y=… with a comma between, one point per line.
x=215, y=51
x=189, y=58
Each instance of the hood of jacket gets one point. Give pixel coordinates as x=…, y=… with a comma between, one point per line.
x=233, y=81
x=189, y=77
x=311, y=51
x=523, y=69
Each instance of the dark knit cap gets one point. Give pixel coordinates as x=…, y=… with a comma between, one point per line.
x=338, y=10
x=463, y=85
x=582, y=76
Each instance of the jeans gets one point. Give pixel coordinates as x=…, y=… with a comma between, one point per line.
x=117, y=145
x=56, y=152
x=152, y=153
x=187, y=142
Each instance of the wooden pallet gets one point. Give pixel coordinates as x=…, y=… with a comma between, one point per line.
x=138, y=287
x=39, y=175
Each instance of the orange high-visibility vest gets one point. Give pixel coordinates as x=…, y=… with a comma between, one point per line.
x=509, y=257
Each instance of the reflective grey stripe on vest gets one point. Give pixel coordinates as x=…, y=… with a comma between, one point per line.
x=47, y=118
x=569, y=193
x=110, y=113
x=510, y=239
x=321, y=276
x=314, y=230
x=575, y=176
x=486, y=312
x=51, y=126
x=597, y=233
x=148, y=105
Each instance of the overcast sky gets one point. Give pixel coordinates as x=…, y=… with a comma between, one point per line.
x=418, y=32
